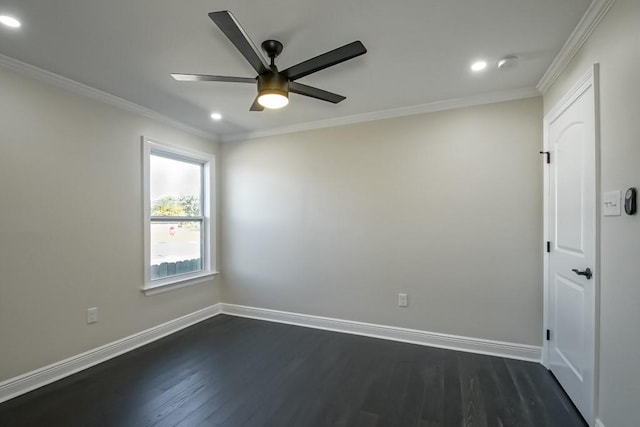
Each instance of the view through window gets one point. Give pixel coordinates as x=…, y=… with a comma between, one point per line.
x=176, y=226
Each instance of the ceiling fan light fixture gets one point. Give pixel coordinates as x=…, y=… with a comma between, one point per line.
x=273, y=85
x=273, y=91
x=273, y=99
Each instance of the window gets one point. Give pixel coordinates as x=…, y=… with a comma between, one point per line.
x=179, y=230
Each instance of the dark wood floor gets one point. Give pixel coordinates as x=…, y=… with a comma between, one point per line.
x=231, y=371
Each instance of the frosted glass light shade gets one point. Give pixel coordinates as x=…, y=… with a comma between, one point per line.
x=272, y=100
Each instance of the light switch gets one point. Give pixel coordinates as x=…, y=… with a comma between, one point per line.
x=611, y=203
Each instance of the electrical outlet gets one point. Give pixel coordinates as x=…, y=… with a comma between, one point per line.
x=403, y=300
x=92, y=315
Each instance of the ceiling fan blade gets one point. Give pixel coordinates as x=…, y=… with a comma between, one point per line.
x=208, y=78
x=234, y=32
x=256, y=106
x=325, y=60
x=314, y=92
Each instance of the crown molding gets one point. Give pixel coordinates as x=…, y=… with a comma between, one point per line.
x=98, y=95
x=590, y=20
x=90, y=92
x=489, y=98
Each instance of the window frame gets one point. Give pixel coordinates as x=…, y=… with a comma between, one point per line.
x=206, y=218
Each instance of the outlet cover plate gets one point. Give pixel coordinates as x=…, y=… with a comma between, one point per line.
x=403, y=300
x=92, y=315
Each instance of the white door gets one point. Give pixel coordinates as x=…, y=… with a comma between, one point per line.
x=570, y=137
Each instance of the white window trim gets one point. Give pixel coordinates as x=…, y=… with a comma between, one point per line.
x=152, y=287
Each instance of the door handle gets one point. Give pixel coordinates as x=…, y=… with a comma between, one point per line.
x=587, y=273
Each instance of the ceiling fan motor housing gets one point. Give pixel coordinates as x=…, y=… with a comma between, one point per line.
x=273, y=83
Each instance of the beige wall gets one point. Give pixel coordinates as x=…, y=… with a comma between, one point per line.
x=615, y=45
x=446, y=207
x=71, y=225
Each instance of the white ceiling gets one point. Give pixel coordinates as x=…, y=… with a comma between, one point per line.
x=419, y=51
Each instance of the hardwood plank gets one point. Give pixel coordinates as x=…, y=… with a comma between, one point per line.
x=323, y=371
x=210, y=378
x=473, y=405
x=147, y=405
x=433, y=402
x=367, y=419
x=266, y=385
x=235, y=375
x=537, y=414
x=415, y=393
x=501, y=406
x=350, y=393
x=555, y=388
x=230, y=371
x=376, y=396
x=300, y=369
x=453, y=412
x=556, y=407
x=391, y=412
x=98, y=387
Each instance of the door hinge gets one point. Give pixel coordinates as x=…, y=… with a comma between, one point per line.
x=548, y=154
x=548, y=335
x=548, y=246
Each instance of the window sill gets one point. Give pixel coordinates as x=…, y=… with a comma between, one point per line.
x=173, y=283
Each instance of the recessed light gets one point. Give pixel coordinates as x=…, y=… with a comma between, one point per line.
x=478, y=66
x=9, y=21
x=216, y=116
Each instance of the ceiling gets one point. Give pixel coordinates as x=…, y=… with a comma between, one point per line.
x=419, y=51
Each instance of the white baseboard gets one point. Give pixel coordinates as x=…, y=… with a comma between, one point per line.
x=31, y=380
x=599, y=423
x=413, y=336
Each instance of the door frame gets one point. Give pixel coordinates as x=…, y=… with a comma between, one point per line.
x=590, y=78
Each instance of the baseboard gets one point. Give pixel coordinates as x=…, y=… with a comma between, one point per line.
x=16, y=386
x=413, y=336
x=599, y=423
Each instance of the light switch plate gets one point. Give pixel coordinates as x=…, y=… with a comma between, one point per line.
x=611, y=203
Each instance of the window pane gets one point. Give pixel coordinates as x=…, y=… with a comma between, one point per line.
x=175, y=248
x=176, y=187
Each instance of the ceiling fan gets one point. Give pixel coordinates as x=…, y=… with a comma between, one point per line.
x=273, y=85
